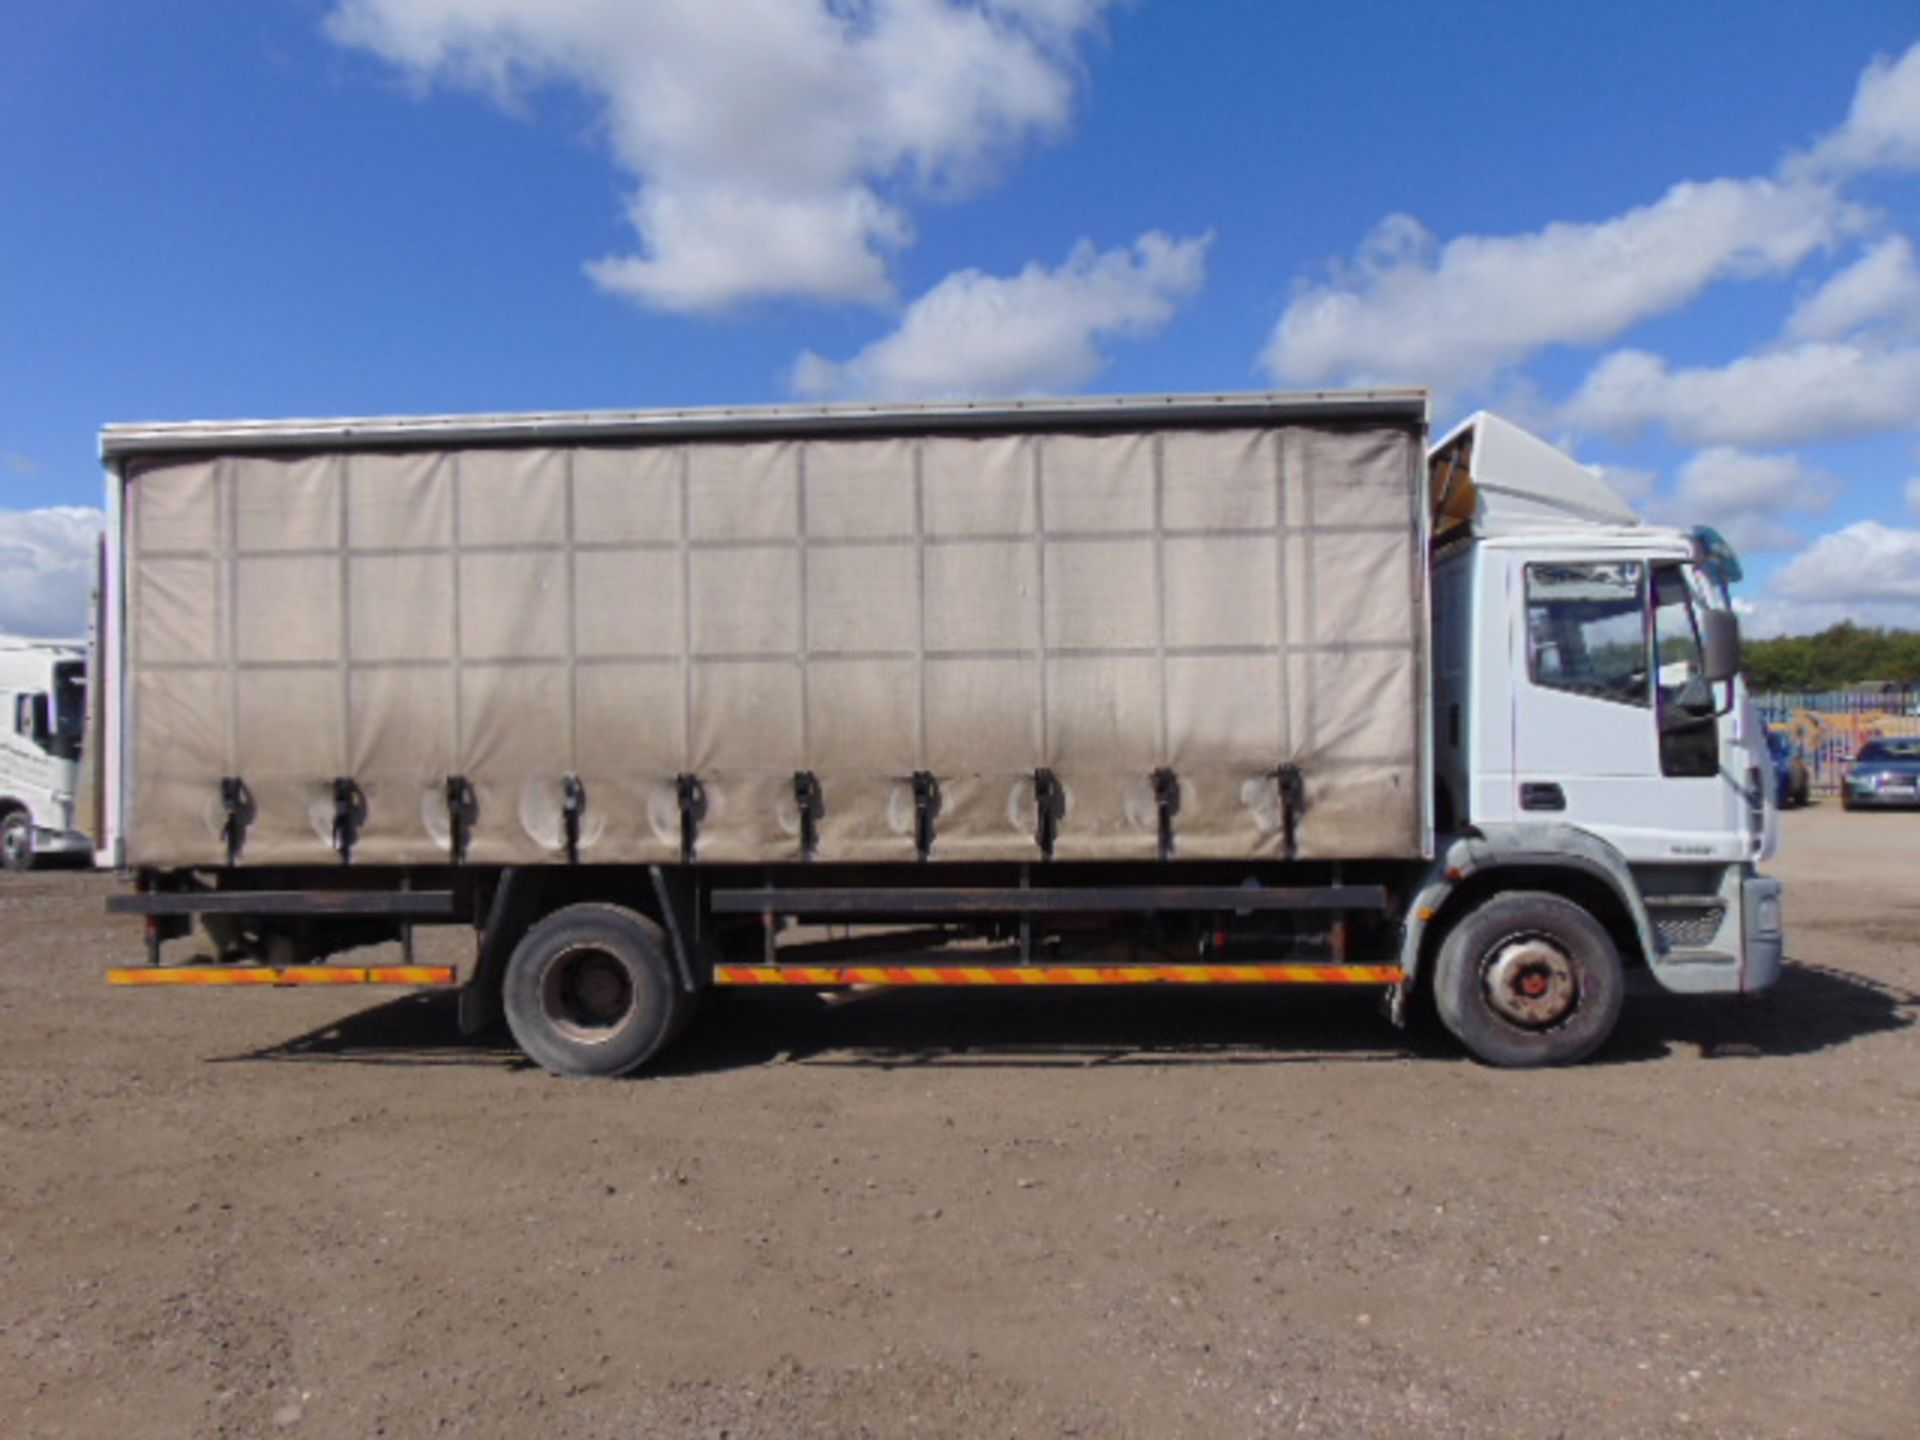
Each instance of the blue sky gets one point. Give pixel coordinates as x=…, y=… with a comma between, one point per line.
x=1682, y=240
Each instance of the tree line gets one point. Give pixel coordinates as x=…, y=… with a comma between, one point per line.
x=1841, y=657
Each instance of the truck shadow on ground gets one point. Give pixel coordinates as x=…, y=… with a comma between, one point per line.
x=1813, y=1008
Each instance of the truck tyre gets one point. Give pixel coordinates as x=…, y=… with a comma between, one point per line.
x=590, y=991
x=16, y=840
x=1529, y=979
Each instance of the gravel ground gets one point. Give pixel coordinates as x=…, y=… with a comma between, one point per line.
x=230, y=1213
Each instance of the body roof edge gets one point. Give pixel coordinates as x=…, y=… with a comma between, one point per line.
x=1404, y=406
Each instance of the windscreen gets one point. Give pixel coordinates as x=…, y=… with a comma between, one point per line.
x=69, y=718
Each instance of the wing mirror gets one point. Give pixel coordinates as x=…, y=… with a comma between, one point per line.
x=1720, y=644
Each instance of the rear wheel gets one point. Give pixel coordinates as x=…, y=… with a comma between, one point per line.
x=1529, y=979
x=590, y=990
x=16, y=840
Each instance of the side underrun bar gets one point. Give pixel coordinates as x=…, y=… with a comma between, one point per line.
x=822, y=976
x=283, y=975
x=375, y=904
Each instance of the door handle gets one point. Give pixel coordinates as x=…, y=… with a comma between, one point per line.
x=1541, y=795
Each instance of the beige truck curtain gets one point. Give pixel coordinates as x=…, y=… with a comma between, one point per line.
x=1215, y=602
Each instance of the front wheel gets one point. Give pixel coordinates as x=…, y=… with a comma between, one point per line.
x=1529, y=979
x=16, y=840
x=590, y=991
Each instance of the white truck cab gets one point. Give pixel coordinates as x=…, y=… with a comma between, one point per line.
x=43, y=703
x=1588, y=704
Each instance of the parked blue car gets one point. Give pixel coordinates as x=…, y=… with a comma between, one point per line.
x=1793, y=784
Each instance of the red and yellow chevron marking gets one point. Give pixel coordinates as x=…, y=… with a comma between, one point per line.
x=282, y=975
x=824, y=975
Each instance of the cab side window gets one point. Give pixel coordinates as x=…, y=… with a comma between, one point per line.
x=1676, y=638
x=1587, y=632
x=1689, y=740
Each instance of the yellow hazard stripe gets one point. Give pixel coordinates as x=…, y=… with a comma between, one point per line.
x=282, y=975
x=819, y=975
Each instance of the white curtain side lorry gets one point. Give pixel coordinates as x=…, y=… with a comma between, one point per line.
x=1243, y=689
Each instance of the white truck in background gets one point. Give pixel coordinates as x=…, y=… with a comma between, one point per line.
x=1242, y=689
x=43, y=692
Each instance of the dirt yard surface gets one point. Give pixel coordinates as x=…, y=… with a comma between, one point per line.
x=236, y=1213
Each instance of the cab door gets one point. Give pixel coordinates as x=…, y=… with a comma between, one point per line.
x=26, y=768
x=1602, y=670
x=1713, y=777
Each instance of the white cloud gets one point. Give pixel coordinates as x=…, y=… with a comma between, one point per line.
x=1410, y=310
x=1878, y=292
x=711, y=246
x=1866, y=572
x=1847, y=365
x=1745, y=496
x=771, y=142
x=1633, y=485
x=1882, y=129
x=47, y=569
x=1766, y=616
x=1814, y=391
x=1039, y=330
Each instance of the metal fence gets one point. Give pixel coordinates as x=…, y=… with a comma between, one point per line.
x=1829, y=727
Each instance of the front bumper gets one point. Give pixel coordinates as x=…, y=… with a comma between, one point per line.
x=1764, y=933
x=60, y=842
x=1863, y=798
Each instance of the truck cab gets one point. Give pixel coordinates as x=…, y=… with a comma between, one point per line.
x=43, y=696
x=1588, y=706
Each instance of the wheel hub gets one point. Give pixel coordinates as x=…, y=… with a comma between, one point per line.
x=587, y=994
x=1531, y=982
